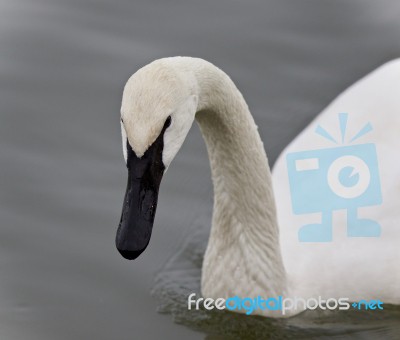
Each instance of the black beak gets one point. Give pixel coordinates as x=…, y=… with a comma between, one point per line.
x=140, y=203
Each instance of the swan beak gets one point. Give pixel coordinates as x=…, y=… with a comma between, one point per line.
x=140, y=203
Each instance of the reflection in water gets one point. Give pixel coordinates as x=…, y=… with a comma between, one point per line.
x=180, y=277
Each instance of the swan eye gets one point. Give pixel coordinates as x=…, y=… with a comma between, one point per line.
x=167, y=122
x=122, y=121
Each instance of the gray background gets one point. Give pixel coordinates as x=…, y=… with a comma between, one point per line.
x=63, y=65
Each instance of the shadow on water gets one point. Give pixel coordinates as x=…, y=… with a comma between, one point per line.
x=181, y=275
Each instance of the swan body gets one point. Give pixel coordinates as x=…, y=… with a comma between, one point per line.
x=355, y=267
x=248, y=255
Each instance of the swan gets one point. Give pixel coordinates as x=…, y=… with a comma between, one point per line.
x=254, y=248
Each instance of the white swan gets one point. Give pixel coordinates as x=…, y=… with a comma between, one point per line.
x=248, y=255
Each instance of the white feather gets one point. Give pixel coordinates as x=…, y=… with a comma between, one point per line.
x=181, y=122
x=124, y=140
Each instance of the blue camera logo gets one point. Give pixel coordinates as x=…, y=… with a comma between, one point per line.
x=343, y=177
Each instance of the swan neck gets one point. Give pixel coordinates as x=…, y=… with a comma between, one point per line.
x=244, y=238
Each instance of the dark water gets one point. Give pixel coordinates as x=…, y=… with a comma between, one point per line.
x=63, y=65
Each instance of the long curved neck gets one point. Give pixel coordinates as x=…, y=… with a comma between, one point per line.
x=243, y=255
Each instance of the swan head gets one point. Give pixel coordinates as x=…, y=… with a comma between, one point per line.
x=159, y=104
